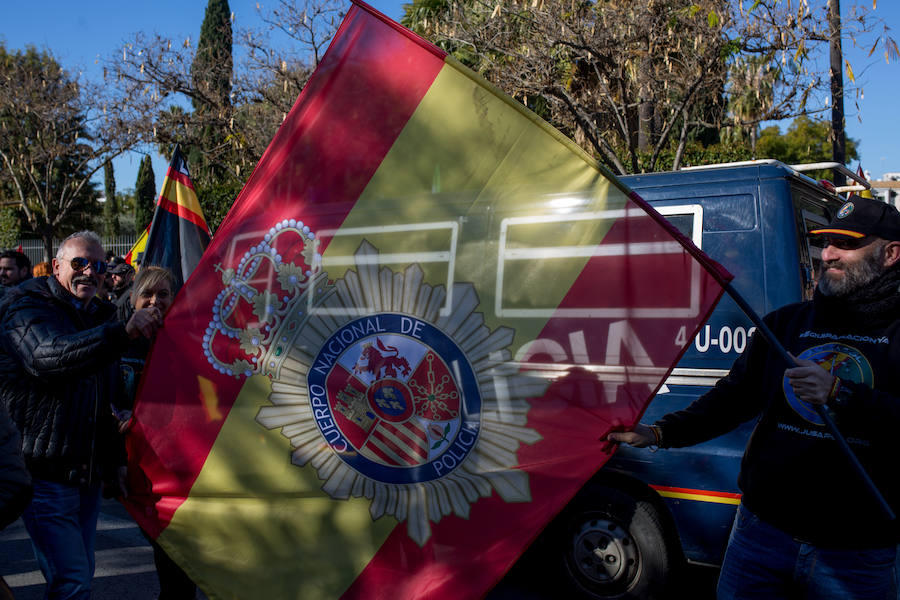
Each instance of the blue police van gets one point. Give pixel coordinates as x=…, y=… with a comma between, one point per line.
x=646, y=514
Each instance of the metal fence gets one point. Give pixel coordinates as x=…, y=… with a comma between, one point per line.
x=34, y=248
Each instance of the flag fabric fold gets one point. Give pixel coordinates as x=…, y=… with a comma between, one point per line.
x=395, y=361
x=178, y=233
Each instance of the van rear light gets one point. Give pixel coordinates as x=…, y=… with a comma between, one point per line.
x=827, y=185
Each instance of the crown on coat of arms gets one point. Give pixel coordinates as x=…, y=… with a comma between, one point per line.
x=262, y=298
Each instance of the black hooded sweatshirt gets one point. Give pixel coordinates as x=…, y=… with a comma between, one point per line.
x=793, y=474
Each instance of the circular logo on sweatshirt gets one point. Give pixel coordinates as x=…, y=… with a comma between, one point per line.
x=840, y=360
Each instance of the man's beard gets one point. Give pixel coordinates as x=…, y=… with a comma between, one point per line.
x=856, y=275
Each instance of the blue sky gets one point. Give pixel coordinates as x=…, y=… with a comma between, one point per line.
x=79, y=32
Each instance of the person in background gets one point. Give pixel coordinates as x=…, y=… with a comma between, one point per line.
x=58, y=376
x=152, y=289
x=14, y=268
x=42, y=269
x=807, y=527
x=122, y=276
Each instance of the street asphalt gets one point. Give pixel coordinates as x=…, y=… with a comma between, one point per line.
x=125, y=569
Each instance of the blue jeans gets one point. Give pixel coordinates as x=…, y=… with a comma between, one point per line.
x=764, y=562
x=62, y=523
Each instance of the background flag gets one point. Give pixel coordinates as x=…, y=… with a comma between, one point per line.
x=134, y=255
x=394, y=363
x=861, y=173
x=178, y=233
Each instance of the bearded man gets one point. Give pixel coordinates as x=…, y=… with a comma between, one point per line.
x=806, y=526
x=14, y=268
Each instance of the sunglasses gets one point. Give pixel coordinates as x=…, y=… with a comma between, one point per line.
x=80, y=263
x=845, y=243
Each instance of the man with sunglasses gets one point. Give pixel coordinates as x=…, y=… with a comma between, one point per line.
x=807, y=527
x=58, y=375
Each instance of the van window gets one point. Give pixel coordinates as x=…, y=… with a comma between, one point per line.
x=810, y=213
x=729, y=213
x=687, y=219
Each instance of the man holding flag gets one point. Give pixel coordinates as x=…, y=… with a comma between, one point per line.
x=805, y=526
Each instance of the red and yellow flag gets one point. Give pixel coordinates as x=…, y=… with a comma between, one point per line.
x=395, y=361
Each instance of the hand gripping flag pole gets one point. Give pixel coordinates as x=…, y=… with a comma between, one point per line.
x=764, y=330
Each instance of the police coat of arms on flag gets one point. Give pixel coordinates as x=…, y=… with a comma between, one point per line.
x=388, y=386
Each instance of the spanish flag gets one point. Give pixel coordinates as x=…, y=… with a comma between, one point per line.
x=397, y=358
x=178, y=233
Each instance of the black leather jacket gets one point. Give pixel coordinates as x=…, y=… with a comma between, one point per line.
x=58, y=374
x=15, y=481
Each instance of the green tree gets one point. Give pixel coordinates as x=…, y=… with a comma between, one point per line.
x=10, y=226
x=632, y=81
x=211, y=70
x=222, y=129
x=208, y=148
x=807, y=140
x=216, y=199
x=111, y=204
x=52, y=142
x=144, y=195
x=626, y=80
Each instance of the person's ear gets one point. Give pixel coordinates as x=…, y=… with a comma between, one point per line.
x=891, y=254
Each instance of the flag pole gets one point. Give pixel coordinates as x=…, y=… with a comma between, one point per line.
x=764, y=330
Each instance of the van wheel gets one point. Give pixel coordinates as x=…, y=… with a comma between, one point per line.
x=614, y=546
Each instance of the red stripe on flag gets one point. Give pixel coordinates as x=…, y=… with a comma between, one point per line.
x=180, y=177
x=404, y=435
x=183, y=212
x=309, y=162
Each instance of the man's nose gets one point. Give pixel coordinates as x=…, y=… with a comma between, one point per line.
x=829, y=253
